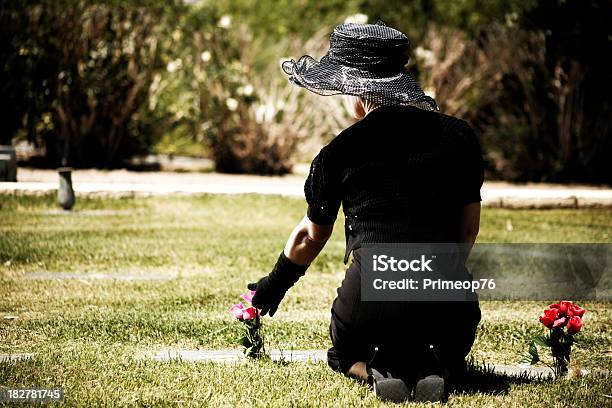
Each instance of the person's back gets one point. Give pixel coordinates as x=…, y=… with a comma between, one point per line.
x=402, y=174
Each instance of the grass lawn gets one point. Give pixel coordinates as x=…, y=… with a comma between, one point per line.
x=87, y=333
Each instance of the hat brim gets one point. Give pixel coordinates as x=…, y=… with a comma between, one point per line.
x=326, y=77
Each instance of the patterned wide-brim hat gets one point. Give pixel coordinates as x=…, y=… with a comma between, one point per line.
x=367, y=60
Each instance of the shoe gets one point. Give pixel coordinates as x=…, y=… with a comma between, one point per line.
x=431, y=386
x=386, y=387
x=429, y=389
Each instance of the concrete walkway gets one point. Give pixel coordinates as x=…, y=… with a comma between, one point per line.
x=228, y=356
x=122, y=183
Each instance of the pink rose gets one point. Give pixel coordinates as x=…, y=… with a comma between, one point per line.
x=574, y=325
x=560, y=322
x=237, y=311
x=248, y=296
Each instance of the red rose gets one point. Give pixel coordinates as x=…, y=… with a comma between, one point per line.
x=576, y=311
x=560, y=322
x=249, y=313
x=564, y=307
x=549, y=317
x=574, y=325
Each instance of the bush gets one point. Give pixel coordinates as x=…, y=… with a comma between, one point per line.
x=532, y=90
x=85, y=69
x=206, y=88
x=251, y=121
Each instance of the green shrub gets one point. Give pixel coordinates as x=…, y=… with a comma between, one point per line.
x=85, y=69
x=252, y=121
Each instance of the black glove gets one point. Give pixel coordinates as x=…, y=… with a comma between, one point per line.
x=271, y=289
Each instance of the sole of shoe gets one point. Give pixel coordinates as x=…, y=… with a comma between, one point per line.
x=429, y=389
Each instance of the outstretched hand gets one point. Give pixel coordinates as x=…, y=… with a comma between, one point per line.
x=270, y=290
x=267, y=295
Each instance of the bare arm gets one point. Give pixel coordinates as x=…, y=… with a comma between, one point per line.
x=306, y=241
x=469, y=225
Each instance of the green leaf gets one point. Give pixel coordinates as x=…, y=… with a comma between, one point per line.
x=245, y=341
x=542, y=341
x=533, y=352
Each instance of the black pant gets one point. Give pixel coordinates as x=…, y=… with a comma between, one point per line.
x=402, y=331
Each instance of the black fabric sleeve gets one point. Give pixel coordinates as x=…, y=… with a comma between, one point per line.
x=322, y=190
x=471, y=168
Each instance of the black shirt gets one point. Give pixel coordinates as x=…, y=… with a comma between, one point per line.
x=402, y=174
